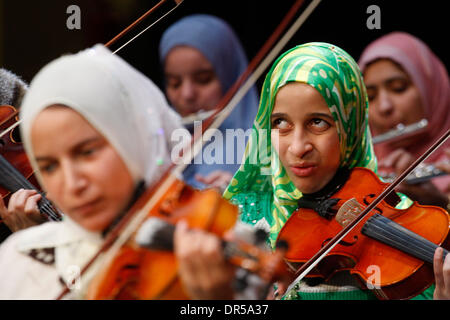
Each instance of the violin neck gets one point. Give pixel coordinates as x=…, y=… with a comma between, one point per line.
x=157, y=234
x=391, y=233
x=12, y=180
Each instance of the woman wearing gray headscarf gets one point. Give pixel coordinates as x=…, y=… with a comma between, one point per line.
x=202, y=58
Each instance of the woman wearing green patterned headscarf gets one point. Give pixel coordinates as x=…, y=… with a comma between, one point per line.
x=335, y=75
x=312, y=125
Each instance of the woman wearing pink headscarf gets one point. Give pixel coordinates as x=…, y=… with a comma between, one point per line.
x=406, y=82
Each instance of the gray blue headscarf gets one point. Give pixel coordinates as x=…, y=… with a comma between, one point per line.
x=215, y=39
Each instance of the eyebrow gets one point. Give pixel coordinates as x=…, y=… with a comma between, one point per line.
x=389, y=80
x=76, y=147
x=313, y=114
x=204, y=70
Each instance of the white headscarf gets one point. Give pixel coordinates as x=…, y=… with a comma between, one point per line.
x=120, y=102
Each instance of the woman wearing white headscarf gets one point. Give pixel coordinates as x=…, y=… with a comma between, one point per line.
x=95, y=130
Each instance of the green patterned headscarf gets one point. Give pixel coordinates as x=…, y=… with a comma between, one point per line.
x=338, y=79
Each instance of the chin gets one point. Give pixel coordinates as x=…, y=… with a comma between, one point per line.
x=307, y=187
x=95, y=224
x=310, y=185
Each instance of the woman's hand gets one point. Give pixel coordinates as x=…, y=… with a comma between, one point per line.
x=441, y=275
x=216, y=179
x=203, y=270
x=445, y=166
x=425, y=193
x=22, y=211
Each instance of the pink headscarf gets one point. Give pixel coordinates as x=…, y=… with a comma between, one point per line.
x=430, y=76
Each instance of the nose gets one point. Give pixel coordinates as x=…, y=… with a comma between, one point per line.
x=385, y=105
x=74, y=182
x=188, y=90
x=300, y=145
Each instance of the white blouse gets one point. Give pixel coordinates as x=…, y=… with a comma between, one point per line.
x=34, y=262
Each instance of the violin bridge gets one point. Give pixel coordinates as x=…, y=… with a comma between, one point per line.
x=348, y=212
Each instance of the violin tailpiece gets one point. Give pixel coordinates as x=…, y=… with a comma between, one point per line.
x=348, y=212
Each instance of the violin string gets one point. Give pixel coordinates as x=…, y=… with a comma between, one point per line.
x=397, y=236
x=426, y=246
x=409, y=246
x=19, y=181
x=414, y=237
x=47, y=207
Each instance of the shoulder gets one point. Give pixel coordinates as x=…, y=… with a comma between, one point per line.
x=27, y=274
x=42, y=236
x=36, y=242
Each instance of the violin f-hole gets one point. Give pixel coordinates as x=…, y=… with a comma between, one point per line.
x=342, y=242
x=366, y=202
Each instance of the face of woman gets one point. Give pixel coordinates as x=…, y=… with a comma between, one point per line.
x=82, y=173
x=191, y=82
x=393, y=98
x=304, y=135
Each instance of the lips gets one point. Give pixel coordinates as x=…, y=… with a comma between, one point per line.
x=85, y=208
x=303, y=170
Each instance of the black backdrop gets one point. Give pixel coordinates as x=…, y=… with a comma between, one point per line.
x=33, y=33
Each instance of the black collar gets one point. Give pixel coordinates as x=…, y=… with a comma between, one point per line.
x=321, y=201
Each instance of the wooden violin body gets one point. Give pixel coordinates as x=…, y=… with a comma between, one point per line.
x=137, y=272
x=10, y=145
x=396, y=263
x=15, y=169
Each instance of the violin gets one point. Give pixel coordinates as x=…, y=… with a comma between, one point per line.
x=368, y=234
x=145, y=266
x=15, y=169
x=401, y=243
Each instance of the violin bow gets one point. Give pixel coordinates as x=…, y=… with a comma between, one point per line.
x=120, y=35
x=138, y=21
x=138, y=212
x=312, y=262
x=14, y=114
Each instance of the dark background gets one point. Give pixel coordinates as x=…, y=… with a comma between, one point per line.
x=32, y=33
